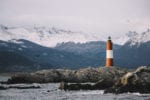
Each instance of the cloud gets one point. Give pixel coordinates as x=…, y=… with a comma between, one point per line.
x=101, y=17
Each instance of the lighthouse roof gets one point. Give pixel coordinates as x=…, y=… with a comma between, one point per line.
x=109, y=38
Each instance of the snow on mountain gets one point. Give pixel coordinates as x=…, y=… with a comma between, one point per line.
x=140, y=38
x=48, y=37
x=133, y=38
x=123, y=39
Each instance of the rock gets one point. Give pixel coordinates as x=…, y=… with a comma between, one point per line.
x=63, y=86
x=113, y=80
x=103, y=84
x=75, y=86
x=25, y=78
x=136, y=81
x=71, y=76
x=3, y=88
x=25, y=87
x=85, y=86
x=32, y=86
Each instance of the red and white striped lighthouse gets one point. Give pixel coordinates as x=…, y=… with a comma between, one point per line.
x=109, y=53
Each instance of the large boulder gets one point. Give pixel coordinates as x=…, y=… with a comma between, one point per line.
x=136, y=81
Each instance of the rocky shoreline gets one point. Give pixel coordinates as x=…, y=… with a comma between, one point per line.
x=112, y=80
x=84, y=75
x=136, y=81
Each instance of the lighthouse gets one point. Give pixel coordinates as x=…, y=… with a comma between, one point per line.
x=109, y=53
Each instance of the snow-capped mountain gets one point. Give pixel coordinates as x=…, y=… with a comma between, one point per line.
x=48, y=37
x=133, y=38
x=126, y=37
x=140, y=38
x=135, y=51
x=28, y=48
x=52, y=36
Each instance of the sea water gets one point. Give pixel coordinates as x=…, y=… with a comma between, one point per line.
x=50, y=91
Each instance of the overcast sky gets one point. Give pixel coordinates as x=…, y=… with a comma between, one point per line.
x=101, y=17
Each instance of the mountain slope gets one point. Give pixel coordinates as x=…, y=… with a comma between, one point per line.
x=95, y=50
x=135, y=52
x=10, y=61
x=43, y=57
x=42, y=48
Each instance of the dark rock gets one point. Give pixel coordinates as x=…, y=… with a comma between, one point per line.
x=75, y=86
x=4, y=87
x=71, y=76
x=25, y=87
x=103, y=84
x=136, y=81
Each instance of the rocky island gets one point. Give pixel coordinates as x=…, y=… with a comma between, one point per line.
x=84, y=75
x=112, y=80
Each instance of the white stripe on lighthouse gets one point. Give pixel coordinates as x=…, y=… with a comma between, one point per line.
x=109, y=54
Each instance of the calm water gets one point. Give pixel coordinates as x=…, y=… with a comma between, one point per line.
x=4, y=78
x=51, y=92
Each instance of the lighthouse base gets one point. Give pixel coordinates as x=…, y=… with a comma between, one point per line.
x=109, y=62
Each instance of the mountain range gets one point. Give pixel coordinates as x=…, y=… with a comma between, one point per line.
x=136, y=51
x=27, y=49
